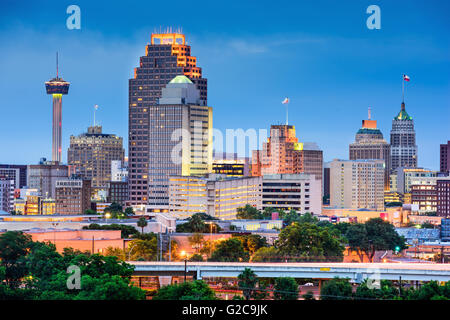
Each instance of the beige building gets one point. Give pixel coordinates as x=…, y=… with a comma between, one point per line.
x=220, y=197
x=180, y=140
x=357, y=184
x=90, y=154
x=370, y=144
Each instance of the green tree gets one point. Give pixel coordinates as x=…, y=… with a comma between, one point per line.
x=90, y=212
x=143, y=249
x=266, y=254
x=309, y=242
x=129, y=211
x=252, y=242
x=142, y=223
x=336, y=289
x=375, y=234
x=115, y=252
x=196, y=257
x=194, y=290
x=14, y=245
x=196, y=223
x=385, y=291
x=230, y=250
x=430, y=291
x=247, y=283
x=248, y=212
x=126, y=231
x=286, y=288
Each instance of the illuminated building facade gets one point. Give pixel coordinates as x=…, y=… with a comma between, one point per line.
x=220, y=196
x=282, y=153
x=231, y=165
x=215, y=195
x=180, y=139
x=424, y=193
x=73, y=196
x=357, y=184
x=369, y=144
x=406, y=176
x=57, y=87
x=403, y=141
x=166, y=56
x=91, y=154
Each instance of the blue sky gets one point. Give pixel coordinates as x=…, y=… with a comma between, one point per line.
x=254, y=53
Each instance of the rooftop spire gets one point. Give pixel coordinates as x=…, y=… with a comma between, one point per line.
x=56, y=64
x=368, y=115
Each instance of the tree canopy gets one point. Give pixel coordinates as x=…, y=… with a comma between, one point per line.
x=34, y=270
x=309, y=242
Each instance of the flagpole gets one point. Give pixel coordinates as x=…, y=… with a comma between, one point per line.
x=287, y=113
x=403, y=88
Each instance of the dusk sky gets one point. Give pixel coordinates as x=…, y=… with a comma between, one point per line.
x=320, y=54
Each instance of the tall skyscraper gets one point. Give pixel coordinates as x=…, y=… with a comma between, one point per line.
x=357, y=184
x=57, y=87
x=91, y=153
x=445, y=157
x=167, y=56
x=369, y=144
x=180, y=139
x=403, y=141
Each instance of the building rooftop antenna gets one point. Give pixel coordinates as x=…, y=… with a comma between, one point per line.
x=56, y=64
x=368, y=111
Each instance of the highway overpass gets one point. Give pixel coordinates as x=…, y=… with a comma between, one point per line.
x=356, y=272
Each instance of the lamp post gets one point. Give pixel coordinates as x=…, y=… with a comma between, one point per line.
x=129, y=252
x=183, y=254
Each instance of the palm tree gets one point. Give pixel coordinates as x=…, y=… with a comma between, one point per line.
x=142, y=222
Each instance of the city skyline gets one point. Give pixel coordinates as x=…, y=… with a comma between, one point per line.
x=266, y=69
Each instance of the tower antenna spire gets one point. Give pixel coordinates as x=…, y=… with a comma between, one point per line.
x=369, y=114
x=57, y=64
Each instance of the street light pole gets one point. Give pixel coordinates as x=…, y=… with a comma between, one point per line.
x=185, y=268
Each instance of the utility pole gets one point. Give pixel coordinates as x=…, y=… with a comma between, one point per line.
x=442, y=255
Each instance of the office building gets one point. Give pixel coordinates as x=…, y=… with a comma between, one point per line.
x=118, y=192
x=405, y=177
x=403, y=141
x=119, y=171
x=370, y=144
x=43, y=177
x=6, y=194
x=73, y=196
x=424, y=193
x=300, y=192
x=283, y=153
x=443, y=197
x=230, y=164
x=57, y=87
x=91, y=153
x=326, y=183
x=17, y=173
x=220, y=196
x=445, y=157
x=357, y=184
x=165, y=57
x=180, y=139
